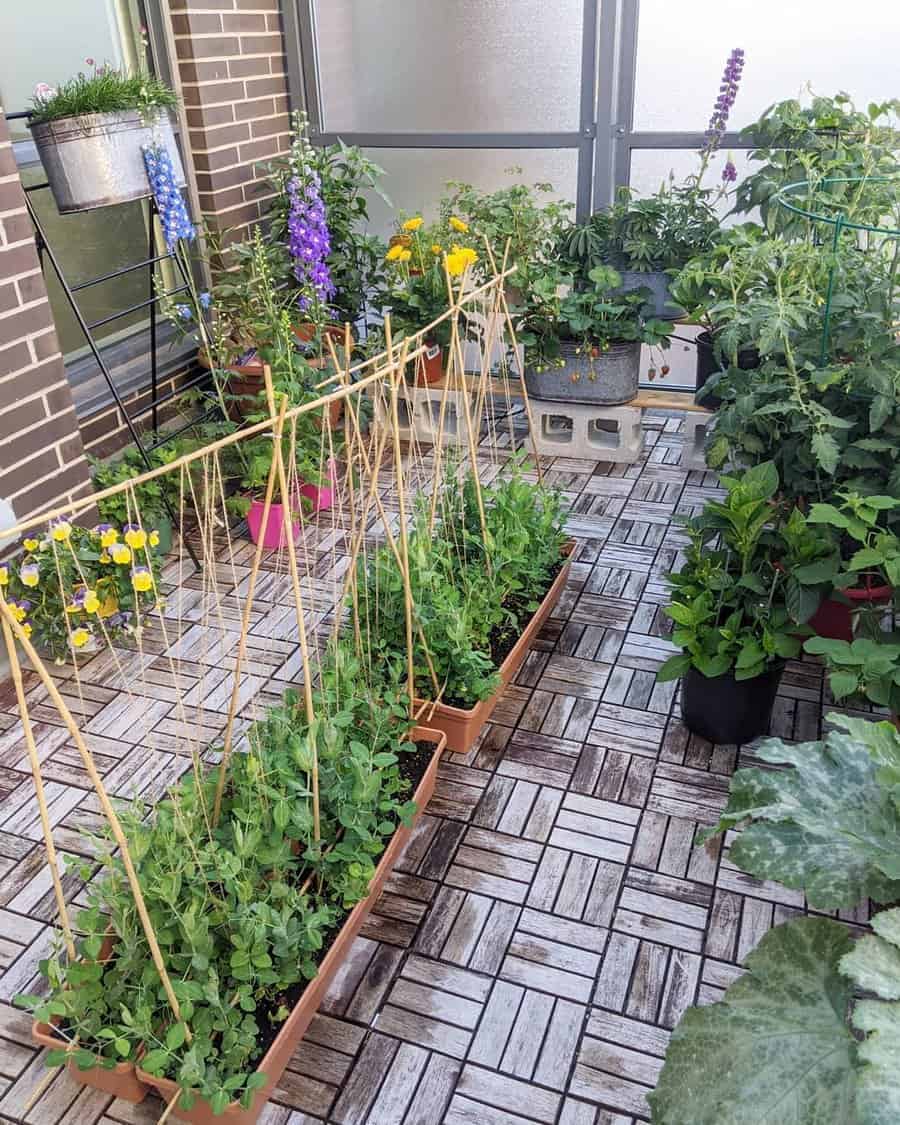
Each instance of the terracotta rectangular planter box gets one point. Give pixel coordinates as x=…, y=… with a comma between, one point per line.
x=463, y=725
x=273, y=1063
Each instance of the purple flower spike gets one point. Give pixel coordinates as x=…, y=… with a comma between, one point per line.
x=309, y=241
x=729, y=173
x=728, y=91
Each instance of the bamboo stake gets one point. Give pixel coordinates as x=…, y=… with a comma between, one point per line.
x=396, y=375
x=35, y=761
x=287, y=525
x=169, y=1108
x=105, y=804
x=245, y=622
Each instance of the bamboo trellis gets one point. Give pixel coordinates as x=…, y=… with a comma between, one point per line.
x=206, y=639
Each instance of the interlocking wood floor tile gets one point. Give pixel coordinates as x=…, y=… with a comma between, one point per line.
x=552, y=915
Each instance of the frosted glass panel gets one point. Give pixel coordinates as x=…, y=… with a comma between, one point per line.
x=682, y=48
x=460, y=66
x=651, y=166
x=417, y=177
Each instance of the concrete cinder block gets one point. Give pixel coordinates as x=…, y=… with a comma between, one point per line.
x=419, y=413
x=590, y=433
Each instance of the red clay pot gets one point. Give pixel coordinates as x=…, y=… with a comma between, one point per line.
x=463, y=725
x=275, y=1060
x=430, y=366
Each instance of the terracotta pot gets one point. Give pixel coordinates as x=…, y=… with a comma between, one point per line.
x=273, y=534
x=463, y=725
x=430, y=366
x=306, y=332
x=121, y=1081
x=273, y=1063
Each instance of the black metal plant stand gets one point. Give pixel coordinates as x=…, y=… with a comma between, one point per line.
x=156, y=400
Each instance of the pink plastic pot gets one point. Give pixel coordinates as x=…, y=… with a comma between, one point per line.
x=321, y=496
x=273, y=534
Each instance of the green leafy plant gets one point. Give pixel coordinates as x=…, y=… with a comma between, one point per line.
x=735, y=603
x=792, y=1039
x=867, y=667
x=104, y=90
x=860, y=520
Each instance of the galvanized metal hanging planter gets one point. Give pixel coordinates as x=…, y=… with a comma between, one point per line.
x=95, y=160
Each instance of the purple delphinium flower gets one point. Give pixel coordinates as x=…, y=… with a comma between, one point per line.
x=729, y=172
x=205, y=300
x=309, y=242
x=728, y=90
x=173, y=214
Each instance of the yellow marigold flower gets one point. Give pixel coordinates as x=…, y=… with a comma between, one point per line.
x=109, y=536
x=91, y=602
x=31, y=544
x=405, y=255
x=141, y=579
x=154, y=539
x=436, y=248
x=80, y=637
x=121, y=555
x=135, y=537
x=61, y=531
x=458, y=225
x=395, y=251
x=413, y=224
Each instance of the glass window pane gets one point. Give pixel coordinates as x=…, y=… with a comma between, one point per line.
x=682, y=50
x=650, y=167
x=466, y=66
x=417, y=177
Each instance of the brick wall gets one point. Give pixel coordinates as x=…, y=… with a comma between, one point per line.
x=42, y=461
x=234, y=82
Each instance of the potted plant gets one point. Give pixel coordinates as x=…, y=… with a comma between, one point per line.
x=730, y=610
x=255, y=918
x=354, y=257
x=517, y=225
x=90, y=132
x=417, y=264
x=590, y=351
x=74, y=587
x=150, y=496
x=479, y=596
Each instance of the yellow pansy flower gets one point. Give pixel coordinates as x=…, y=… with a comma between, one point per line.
x=80, y=637
x=29, y=574
x=413, y=224
x=108, y=537
x=135, y=537
x=26, y=628
x=4, y=574
x=154, y=539
x=19, y=612
x=91, y=602
x=121, y=555
x=395, y=251
x=31, y=544
x=458, y=225
x=141, y=579
x=104, y=557
x=61, y=531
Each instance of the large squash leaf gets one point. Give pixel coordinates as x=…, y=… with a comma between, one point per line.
x=874, y=964
x=777, y=1050
x=830, y=824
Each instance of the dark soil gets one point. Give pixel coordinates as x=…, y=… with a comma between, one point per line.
x=503, y=639
x=412, y=768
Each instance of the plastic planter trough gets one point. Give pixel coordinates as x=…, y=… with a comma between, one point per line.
x=275, y=1060
x=463, y=725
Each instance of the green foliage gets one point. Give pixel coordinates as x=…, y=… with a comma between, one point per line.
x=867, y=667
x=737, y=605
x=242, y=911
x=346, y=177
x=830, y=824
x=471, y=591
x=105, y=90
x=821, y=144
x=860, y=519
x=777, y=1048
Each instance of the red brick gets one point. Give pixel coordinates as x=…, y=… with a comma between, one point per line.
x=259, y=150
x=216, y=47
x=20, y=475
x=9, y=297
x=31, y=288
x=260, y=87
x=247, y=111
x=16, y=228
x=217, y=138
x=207, y=117
x=244, y=21
x=14, y=357
x=23, y=415
x=227, y=177
x=46, y=346
x=191, y=71
x=213, y=93
x=269, y=126
x=262, y=45
x=258, y=66
x=197, y=23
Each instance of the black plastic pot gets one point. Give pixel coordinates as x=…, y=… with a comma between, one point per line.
x=725, y=710
x=708, y=364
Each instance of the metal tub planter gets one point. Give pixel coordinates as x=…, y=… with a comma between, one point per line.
x=660, y=304
x=608, y=377
x=95, y=160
